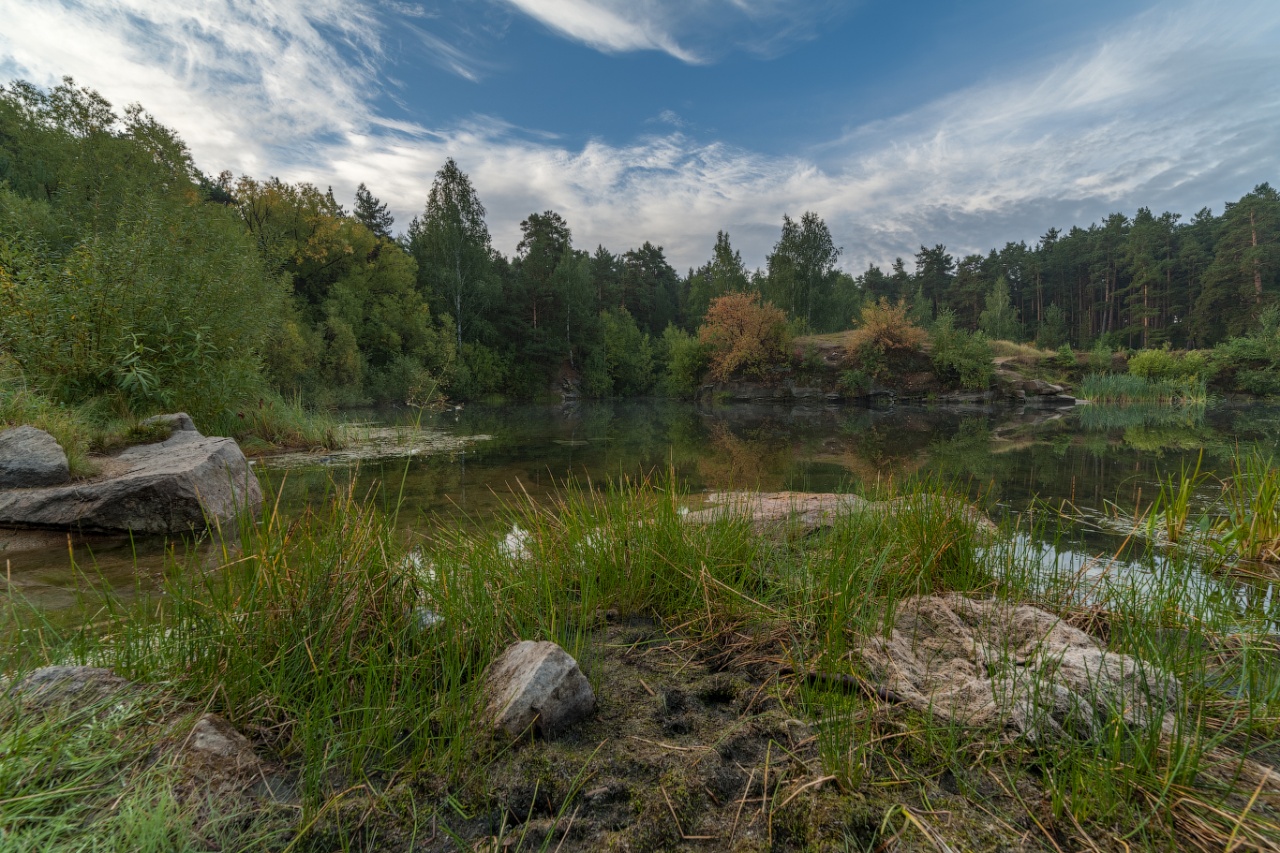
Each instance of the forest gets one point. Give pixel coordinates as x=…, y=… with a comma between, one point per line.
x=131, y=282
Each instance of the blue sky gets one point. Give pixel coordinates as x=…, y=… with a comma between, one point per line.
x=901, y=124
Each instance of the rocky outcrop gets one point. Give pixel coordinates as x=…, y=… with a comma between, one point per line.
x=1034, y=392
x=183, y=483
x=993, y=663
x=30, y=457
x=803, y=513
x=538, y=687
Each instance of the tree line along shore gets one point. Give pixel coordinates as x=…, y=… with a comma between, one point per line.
x=132, y=282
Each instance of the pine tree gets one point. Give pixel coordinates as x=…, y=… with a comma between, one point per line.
x=372, y=214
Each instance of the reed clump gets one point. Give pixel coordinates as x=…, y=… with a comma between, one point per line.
x=1126, y=388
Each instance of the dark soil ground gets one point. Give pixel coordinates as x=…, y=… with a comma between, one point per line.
x=714, y=746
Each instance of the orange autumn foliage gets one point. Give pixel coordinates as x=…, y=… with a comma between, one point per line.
x=743, y=336
x=883, y=327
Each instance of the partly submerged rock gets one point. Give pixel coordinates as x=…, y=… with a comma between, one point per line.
x=185, y=482
x=992, y=663
x=30, y=457
x=536, y=686
x=805, y=512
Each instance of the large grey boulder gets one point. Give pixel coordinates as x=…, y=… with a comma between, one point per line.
x=536, y=686
x=185, y=482
x=975, y=662
x=31, y=457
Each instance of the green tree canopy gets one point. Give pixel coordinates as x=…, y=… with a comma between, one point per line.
x=450, y=242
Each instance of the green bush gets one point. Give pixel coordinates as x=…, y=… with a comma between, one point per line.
x=855, y=382
x=1100, y=358
x=686, y=363
x=960, y=356
x=123, y=284
x=1251, y=363
x=1160, y=364
x=1066, y=357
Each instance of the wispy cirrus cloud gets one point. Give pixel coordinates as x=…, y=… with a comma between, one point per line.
x=693, y=31
x=1174, y=110
x=242, y=81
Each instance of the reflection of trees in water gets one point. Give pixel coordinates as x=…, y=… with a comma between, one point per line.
x=742, y=463
x=1023, y=455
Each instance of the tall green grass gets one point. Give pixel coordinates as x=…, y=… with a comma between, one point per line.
x=1251, y=529
x=1130, y=388
x=357, y=663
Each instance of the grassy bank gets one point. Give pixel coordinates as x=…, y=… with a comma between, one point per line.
x=736, y=707
x=101, y=427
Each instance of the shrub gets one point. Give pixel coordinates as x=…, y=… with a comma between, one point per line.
x=855, y=381
x=479, y=371
x=960, y=356
x=884, y=328
x=743, y=336
x=1157, y=364
x=686, y=362
x=1252, y=362
x=1100, y=358
x=1066, y=357
x=124, y=285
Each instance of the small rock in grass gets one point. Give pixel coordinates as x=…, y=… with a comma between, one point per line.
x=213, y=738
x=66, y=686
x=31, y=457
x=176, y=422
x=536, y=686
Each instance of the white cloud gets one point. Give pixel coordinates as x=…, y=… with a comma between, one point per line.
x=604, y=25
x=1175, y=111
x=240, y=81
x=693, y=31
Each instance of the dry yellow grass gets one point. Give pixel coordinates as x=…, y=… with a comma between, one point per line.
x=1023, y=353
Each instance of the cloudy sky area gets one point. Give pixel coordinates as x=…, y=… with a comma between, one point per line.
x=901, y=124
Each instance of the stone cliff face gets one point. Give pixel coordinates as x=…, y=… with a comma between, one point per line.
x=825, y=377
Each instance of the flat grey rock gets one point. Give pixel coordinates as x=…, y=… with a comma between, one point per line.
x=183, y=483
x=65, y=686
x=538, y=687
x=30, y=457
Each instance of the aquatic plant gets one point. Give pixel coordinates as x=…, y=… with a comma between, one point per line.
x=1130, y=388
x=1251, y=529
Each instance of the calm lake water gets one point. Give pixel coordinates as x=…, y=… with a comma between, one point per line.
x=1093, y=457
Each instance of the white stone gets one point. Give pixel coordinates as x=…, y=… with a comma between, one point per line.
x=538, y=687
